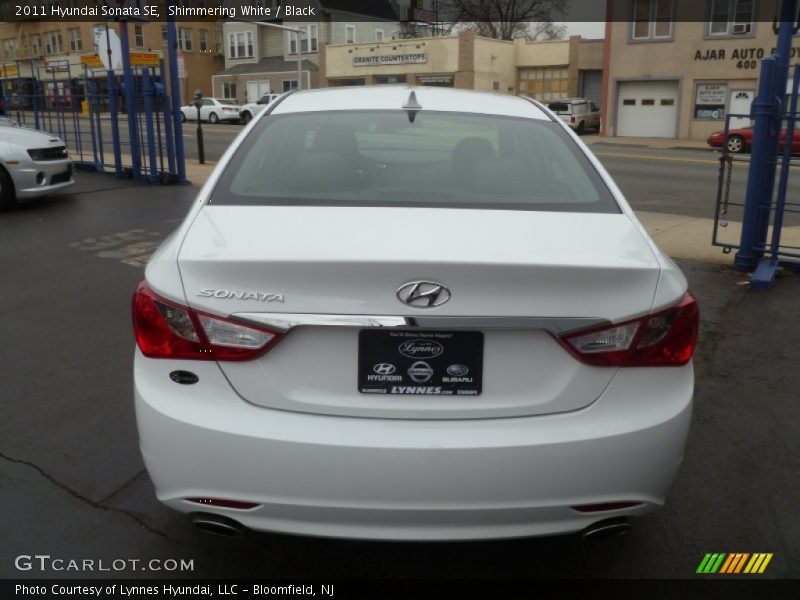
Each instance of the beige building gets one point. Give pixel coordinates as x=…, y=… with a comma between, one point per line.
x=62, y=53
x=543, y=70
x=675, y=70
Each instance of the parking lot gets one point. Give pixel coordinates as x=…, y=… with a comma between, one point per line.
x=74, y=483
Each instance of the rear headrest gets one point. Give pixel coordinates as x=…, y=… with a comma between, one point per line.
x=335, y=137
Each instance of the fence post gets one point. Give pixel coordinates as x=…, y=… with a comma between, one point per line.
x=175, y=85
x=130, y=102
x=147, y=92
x=114, y=115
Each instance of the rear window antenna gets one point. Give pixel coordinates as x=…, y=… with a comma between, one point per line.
x=412, y=106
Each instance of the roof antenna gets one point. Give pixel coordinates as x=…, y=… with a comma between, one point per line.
x=412, y=106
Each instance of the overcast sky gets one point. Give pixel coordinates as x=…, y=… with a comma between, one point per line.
x=594, y=29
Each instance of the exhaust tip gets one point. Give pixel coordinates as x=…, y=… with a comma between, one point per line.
x=607, y=528
x=217, y=524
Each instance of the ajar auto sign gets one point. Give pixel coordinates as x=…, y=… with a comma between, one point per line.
x=744, y=58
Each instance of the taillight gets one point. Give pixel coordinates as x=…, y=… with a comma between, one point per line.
x=164, y=329
x=666, y=338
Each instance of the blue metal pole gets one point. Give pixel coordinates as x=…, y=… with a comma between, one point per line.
x=147, y=92
x=114, y=114
x=130, y=102
x=35, y=99
x=175, y=85
x=168, y=125
x=762, y=112
x=766, y=112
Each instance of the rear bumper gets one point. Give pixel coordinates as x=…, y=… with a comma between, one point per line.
x=404, y=479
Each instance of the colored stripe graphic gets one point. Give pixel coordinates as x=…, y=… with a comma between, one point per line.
x=734, y=563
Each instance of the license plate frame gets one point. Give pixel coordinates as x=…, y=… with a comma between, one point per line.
x=403, y=362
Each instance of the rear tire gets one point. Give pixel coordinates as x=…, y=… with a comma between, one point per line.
x=213, y=118
x=183, y=117
x=735, y=144
x=8, y=196
x=581, y=128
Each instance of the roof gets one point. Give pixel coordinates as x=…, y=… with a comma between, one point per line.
x=272, y=64
x=378, y=9
x=388, y=97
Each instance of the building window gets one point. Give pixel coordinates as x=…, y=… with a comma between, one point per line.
x=379, y=35
x=229, y=90
x=652, y=19
x=164, y=36
x=138, y=36
x=731, y=17
x=709, y=101
x=350, y=34
x=218, y=41
x=75, y=42
x=289, y=85
x=545, y=84
x=53, y=42
x=203, y=40
x=308, y=40
x=36, y=45
x=184, y=38
x=240, y=44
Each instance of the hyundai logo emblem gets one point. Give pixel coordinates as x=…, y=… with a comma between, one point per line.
x=423, y=294
x=384, y=369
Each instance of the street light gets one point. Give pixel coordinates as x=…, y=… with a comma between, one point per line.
x=297, y=31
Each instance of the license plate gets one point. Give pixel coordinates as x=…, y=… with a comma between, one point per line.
x=441, y=363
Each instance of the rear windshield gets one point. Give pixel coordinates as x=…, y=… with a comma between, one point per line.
x=560, y=107
x=447, y=160
x=228, y=102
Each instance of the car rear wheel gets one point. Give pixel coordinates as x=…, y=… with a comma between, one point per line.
x=183, y=117
x=246, y=117
x=581, y=128
x=735, y=144
x=213, y=118
x=8, y=197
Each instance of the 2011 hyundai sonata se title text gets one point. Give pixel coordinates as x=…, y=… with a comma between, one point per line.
x=412, y=313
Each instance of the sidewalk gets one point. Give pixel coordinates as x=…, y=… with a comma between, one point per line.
x=638, y=142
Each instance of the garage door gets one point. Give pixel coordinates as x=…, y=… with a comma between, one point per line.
x=591, y=85
x=647, y=108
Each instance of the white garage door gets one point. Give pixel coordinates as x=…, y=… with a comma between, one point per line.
x=647, y=108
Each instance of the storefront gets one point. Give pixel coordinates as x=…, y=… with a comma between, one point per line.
x=543, y=70
x=680, y=78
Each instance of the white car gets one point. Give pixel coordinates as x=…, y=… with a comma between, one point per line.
x=33, y=163
x=252, y=109
x=212, y=110
x=579, y=113
x=417, y=314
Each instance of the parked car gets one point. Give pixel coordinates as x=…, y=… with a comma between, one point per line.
x=32, y=163
x=251, y=109
x=741, y=140
x=412, y=313
x=213, y=110
x=579, y=113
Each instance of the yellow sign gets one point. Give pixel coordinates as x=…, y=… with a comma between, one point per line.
x=92, y=61
x=144, y=59
x=7, y=71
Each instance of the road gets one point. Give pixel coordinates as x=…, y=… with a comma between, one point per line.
x=74, y=486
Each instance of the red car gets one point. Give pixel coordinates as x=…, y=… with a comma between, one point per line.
x=740, y=140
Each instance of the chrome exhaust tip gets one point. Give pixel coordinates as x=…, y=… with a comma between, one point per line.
x=217, y=524
x=607, y=528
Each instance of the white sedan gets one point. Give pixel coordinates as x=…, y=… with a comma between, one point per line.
x=417, y=314
x=212, y=110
